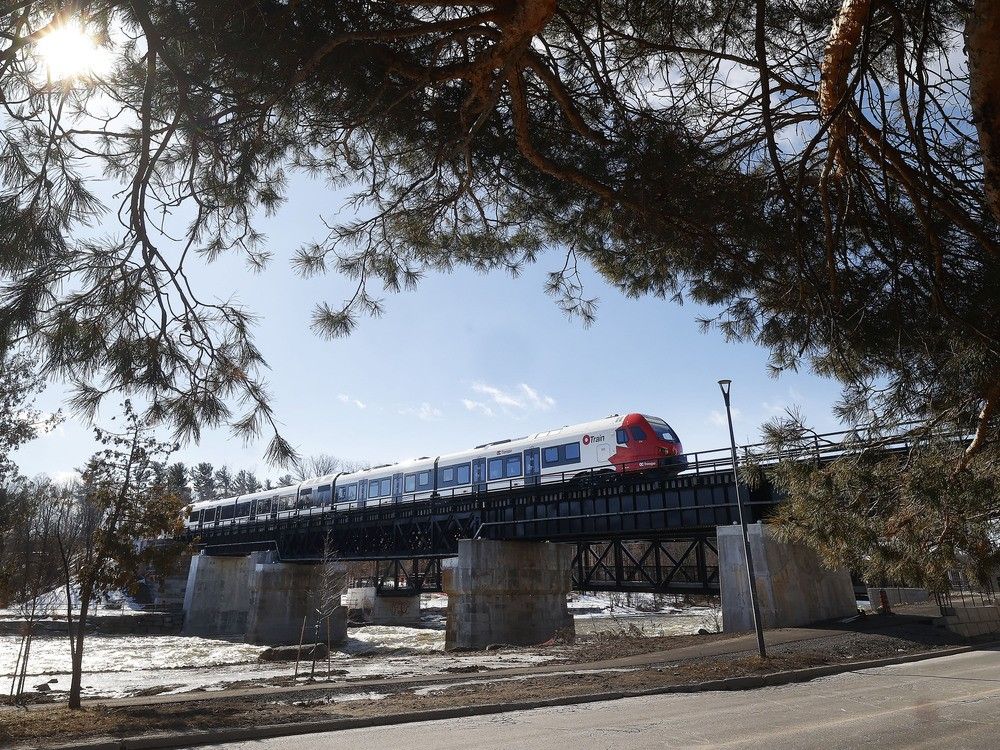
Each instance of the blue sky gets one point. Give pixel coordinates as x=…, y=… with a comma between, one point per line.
x=462, y=360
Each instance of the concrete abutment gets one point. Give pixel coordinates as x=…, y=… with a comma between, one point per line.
x=507, y=592
x=793, y=587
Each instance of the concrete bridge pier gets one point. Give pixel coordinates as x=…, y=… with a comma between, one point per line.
x=217, y=595
x=376, y=609
x=793, y=587
x=507, y=592
x=289, y=601
x=265, y=601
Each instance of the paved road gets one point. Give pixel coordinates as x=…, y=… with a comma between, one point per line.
x=950, y=702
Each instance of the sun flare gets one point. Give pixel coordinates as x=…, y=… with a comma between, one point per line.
x=70, y=51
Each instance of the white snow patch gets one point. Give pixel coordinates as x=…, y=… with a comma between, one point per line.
x=370, y=696
x=517, y=678
x=53, y=604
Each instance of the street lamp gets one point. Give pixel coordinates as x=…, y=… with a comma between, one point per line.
x=725, y=385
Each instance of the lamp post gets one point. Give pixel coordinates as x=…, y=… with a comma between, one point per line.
x=725, y=385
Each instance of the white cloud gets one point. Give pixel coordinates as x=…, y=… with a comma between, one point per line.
x=523, y=398
x=425, y=412
x=539, y=401
x=479, y=406
x=500, y=397
x=717, y=417
x=770, y=408
x=345, y=399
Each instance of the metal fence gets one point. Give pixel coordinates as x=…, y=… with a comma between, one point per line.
x=962, y=592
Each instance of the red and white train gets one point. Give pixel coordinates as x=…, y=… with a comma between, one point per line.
x=635, y=442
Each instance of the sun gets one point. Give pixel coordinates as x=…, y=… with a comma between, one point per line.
x=70, y=51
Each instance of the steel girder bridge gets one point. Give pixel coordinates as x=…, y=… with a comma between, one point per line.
x=630, y=533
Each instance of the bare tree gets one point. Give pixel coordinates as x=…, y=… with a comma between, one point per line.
x=30, y=567
x=118, y=504
x=321, y=464
x=332, y=583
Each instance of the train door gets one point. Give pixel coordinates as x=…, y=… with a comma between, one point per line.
x=397, y=487
x=479, y=475
x=362, y=493
x=532, y=466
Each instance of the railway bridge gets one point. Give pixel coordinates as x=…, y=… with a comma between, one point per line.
x=508, y=558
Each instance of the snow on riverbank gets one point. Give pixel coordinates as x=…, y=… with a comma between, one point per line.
x=52, y=604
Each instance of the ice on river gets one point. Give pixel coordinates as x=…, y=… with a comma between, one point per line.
x=122, y=665
x=117, y=666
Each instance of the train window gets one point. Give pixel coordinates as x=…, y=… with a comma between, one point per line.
x=306, y=499
x=513, y=467
x=264, y=506
x=557, y=455
x=495, y=468
x=385, y=487
x=373, y=488
x=621, y=436
x=410, y=483
x=449, y=476
x=194, y=515
x=323, y=494
x=662, y=429
x=227, y=512
x=424, y=479
x=208, y=515
x=341, y=493
x=352, y=492
x=242, y=510
x=638, y=433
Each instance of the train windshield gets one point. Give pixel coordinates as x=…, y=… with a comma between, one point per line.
x=662, y=430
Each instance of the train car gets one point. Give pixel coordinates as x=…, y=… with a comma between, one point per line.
x=633, y=443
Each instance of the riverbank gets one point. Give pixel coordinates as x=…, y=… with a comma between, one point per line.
x=594, y=664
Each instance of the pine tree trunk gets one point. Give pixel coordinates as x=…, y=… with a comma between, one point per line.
x=835, y=71
x=982, y=42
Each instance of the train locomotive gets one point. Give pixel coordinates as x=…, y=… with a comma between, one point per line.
x=588, y=451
